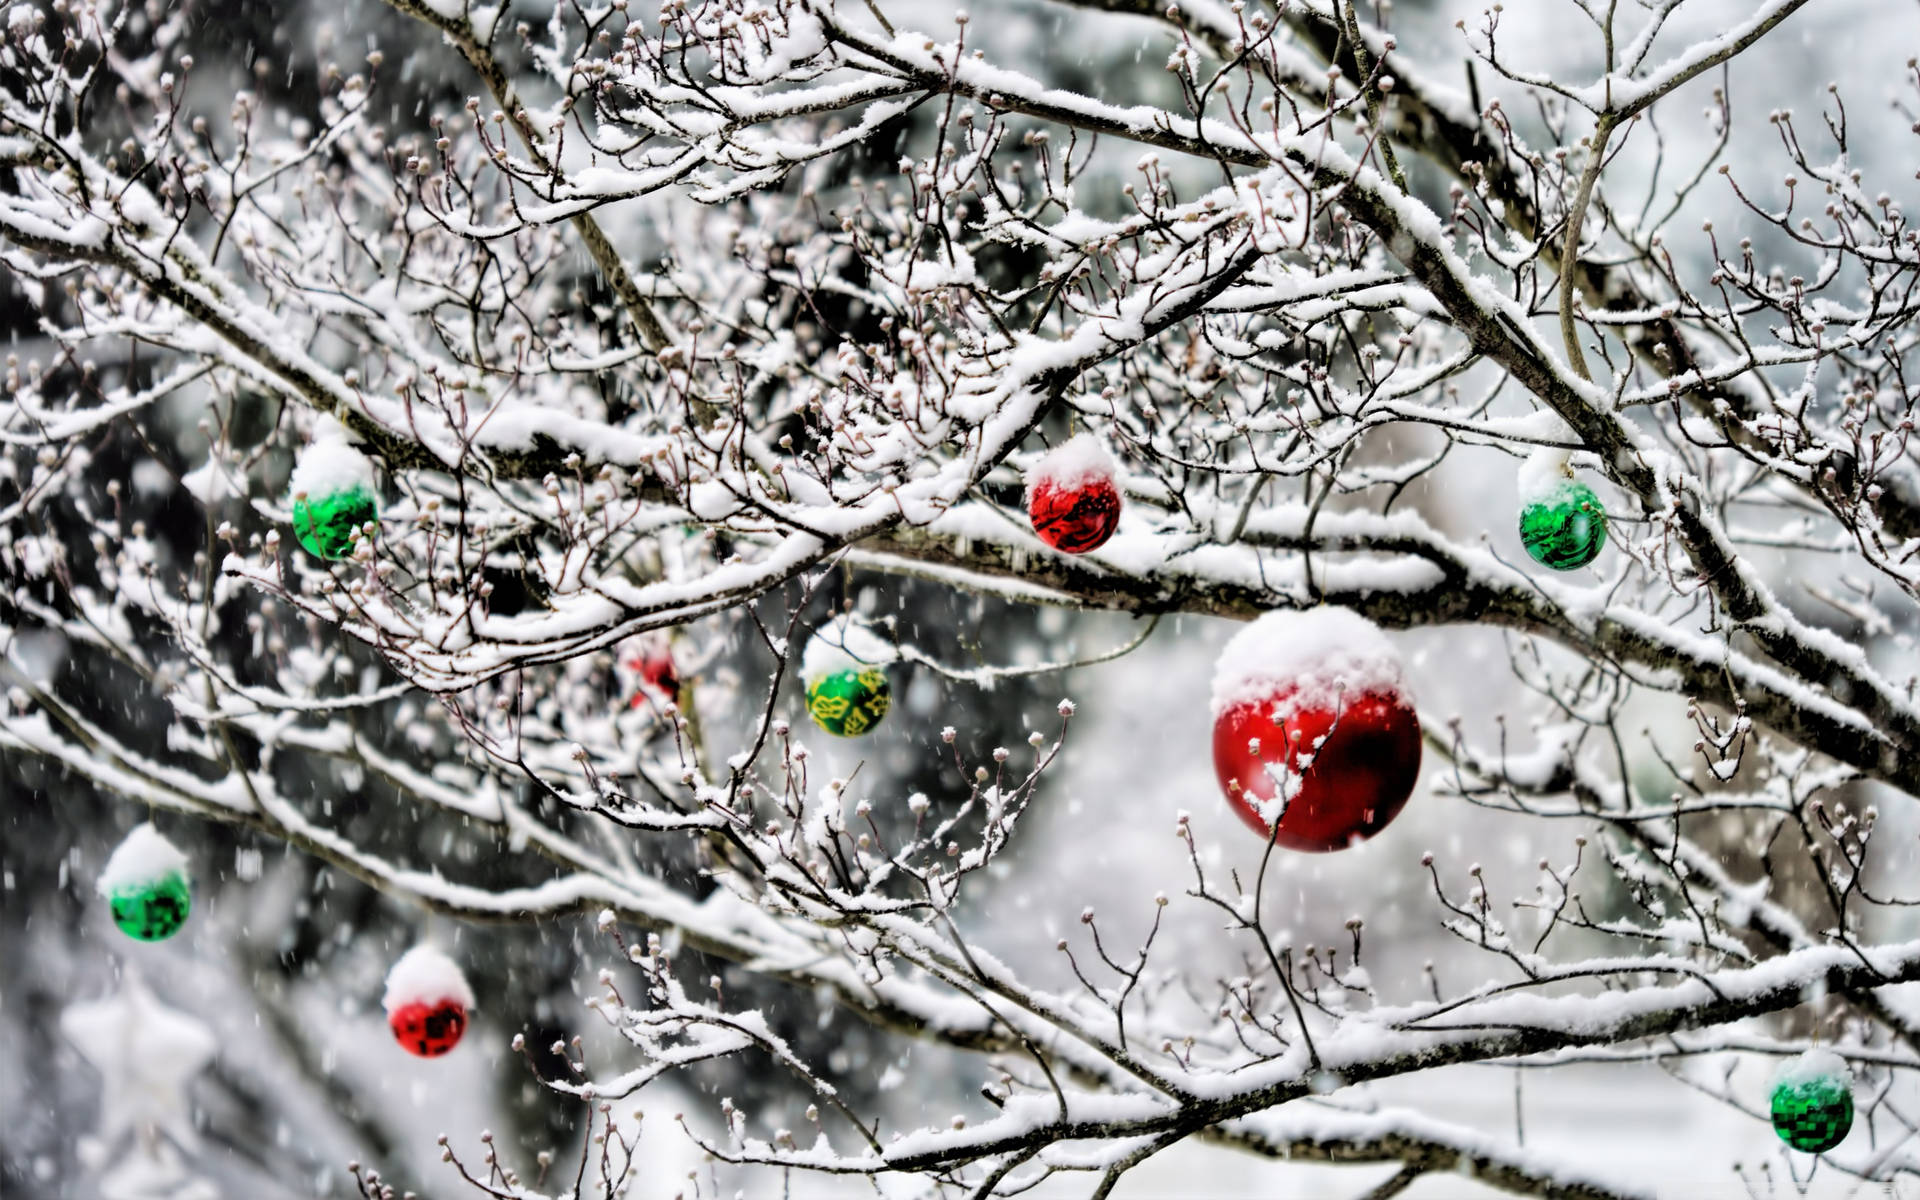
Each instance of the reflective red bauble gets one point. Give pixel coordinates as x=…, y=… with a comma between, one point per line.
x=1315, y=738
x=428, y=1030
x=1344, y=772
x=1072, y=498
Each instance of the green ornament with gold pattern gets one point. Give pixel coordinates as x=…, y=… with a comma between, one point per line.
x=851, y=701
x=845, y=673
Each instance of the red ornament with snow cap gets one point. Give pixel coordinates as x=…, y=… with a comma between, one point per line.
x=1071, y=496
x=427, y=1002
x=1314, y=735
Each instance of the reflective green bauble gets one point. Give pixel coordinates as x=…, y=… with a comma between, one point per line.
x=152, y=910
x=1813, y=1114
x=325, y=524
x=848, y=703
x=1564, y=529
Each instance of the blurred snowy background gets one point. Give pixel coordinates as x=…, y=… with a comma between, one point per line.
x=280, y=968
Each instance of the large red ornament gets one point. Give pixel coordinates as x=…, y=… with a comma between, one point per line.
x=428, y=1030
x=1312, y=723
x=427, y=1001
x=1071, y=496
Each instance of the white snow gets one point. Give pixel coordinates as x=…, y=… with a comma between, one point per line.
x=146, y=1053
x=1813, y=1066
x=425, y=975
x=1543, y=475
x=1323, y=652
x=150, y=479
x=210, y=483
x=1070, y=464
x=842, y=646
x=329, y=467
x=142, y=857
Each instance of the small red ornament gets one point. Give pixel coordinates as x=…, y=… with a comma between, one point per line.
x=654, y=666
x=1313, y=725
x=427, y=1002
x=429, y=1030
x=1072, y=498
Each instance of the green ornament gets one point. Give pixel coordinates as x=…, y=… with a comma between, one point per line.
x=849, y=702
x=1813, y=1103
x=325, y=524
x=1565, y=528
x=144, y=883
x=153, y=910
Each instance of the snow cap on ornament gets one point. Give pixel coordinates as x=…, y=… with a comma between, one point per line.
x=333, y=495
x=427, y=1001
x=1072, y=497
x=1812, y=1101
x=1315, y=740
x=146, y=885
x=844, y=670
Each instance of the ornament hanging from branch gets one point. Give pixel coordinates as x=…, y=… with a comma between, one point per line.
x=1561, y=522
x=1072, y=497
x=146, y=885
x=1315, y=741
x=333, y=498
x=844, y=670
x=1813, y=1101
x=427, y=1002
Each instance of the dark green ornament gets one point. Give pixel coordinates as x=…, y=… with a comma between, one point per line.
x=325, y=524
x=849, y=702
x=1565, y=529
x=153, y=910
x=1814, y=1113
